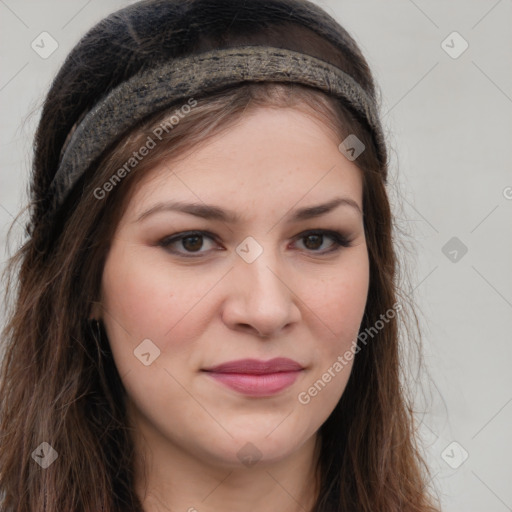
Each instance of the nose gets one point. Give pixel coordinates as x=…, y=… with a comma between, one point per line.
x=261, y=298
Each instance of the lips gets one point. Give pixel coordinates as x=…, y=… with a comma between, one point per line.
x=256, y=378
x=257, y=367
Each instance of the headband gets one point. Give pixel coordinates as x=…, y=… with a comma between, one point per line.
x=159, y=87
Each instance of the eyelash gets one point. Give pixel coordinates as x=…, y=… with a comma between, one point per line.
x=338, y=239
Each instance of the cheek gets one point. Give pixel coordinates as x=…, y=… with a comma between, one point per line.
x=338, y=300
x=143, y=299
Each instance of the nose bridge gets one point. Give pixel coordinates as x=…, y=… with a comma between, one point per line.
x=264, y=300
x=260, y=266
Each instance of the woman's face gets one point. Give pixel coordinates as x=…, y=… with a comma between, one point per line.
x=184, y=315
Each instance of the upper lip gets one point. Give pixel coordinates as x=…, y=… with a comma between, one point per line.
x=256, y=366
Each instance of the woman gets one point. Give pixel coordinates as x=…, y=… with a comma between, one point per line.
x=207, y=315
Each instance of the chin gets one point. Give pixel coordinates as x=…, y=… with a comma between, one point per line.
x=249, y=449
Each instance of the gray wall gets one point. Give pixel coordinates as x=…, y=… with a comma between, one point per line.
x=448, y=119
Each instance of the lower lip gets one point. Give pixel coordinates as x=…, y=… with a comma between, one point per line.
x=257, y=385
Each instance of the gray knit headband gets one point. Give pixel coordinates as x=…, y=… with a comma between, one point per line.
x=157, y=88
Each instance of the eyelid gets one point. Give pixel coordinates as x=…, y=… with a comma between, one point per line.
x=339, y=241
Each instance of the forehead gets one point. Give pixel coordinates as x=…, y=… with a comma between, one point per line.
x=270, y=157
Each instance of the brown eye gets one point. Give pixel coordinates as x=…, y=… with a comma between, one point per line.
x=192, y=243
x=189, y=243
x=313, y=241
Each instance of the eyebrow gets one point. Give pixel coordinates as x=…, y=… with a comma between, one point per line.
x=212, y=212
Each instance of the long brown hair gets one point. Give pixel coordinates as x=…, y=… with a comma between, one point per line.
x=59, y=383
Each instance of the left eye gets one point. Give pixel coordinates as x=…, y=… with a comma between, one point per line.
x=192, y=241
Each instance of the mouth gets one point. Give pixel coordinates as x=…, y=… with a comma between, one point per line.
x=253, y=377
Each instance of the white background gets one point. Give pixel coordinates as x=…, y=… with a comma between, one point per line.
x=449, y=123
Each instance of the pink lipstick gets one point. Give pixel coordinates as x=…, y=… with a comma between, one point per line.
x=257, y=378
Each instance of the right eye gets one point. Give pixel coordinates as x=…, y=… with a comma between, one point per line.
x=191, y=242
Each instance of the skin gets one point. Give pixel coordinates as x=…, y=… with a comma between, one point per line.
x=291, y=301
